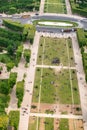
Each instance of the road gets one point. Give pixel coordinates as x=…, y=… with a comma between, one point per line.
x=80, y=20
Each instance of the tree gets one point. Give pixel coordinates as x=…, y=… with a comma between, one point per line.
x=12, y=79
x=12, y=10
x=10, y=49
x=4, y=88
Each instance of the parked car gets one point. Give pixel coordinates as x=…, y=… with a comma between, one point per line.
x=36, y=14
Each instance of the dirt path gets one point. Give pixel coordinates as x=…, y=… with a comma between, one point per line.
x=42, y=125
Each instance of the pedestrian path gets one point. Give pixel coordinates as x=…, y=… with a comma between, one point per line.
x=68, y=7
x=81, y=79
x=29, y=83
x=56, y=116
x=42, y=6
x=55, y=67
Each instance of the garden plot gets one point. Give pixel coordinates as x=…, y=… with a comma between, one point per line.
x=55, y=124
x=55, y=51
x=54, y=86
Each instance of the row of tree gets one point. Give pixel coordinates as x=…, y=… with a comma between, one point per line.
x=6, y=85
x=80, y=1
x=82, y=39
x=13, y=6
x=10, y=34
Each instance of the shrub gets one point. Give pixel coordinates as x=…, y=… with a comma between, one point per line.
x=27, y=54
x=19, y=53
x=4, y=88
x=14, y=119
x=4, y=99
x=29, y=32
x=12, y=10
x=10, y=65
x=12, y=79
x=20, y=91
x=3, y=122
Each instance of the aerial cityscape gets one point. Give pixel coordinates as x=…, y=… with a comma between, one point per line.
x=43, y=64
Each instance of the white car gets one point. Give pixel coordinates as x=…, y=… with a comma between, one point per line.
x=62, y=30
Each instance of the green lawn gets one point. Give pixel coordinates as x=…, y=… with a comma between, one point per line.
x=36, y=22
x=71, y=55
x=55, y=1
x=75, y=87
x=63, y=125
x=55, y=48
x=37, y=85
x=55, y=86
x=33, y=123
x=49, y=123
x=55, y=6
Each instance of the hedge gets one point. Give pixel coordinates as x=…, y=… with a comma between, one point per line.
x=12, y=79
x=14, y=119
x=16, y=26
x=82, y=43
x=81, y=37
x=20, y=91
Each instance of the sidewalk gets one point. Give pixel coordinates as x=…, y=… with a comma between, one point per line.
x=29, y=83
x=42, y=6
x=68, y=7
x=81, y=79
